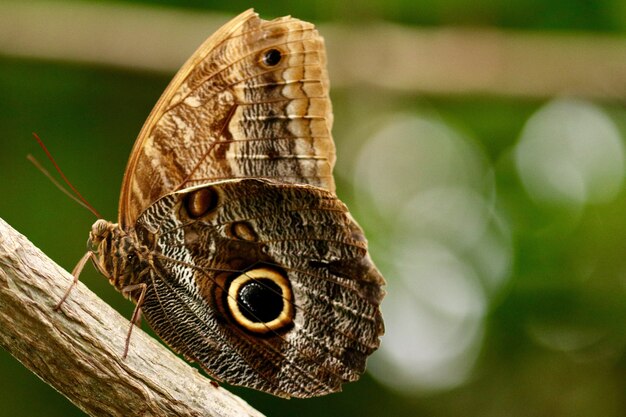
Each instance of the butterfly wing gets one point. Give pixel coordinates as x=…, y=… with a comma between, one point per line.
x=265, y=285
x=251, y=102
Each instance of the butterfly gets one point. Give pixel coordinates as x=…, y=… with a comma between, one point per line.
x=230, y=238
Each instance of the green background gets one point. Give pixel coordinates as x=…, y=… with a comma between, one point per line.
x=552, y=333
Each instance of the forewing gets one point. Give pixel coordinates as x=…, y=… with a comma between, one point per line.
x=251, y=102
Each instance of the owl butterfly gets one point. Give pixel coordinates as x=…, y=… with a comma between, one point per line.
x=230, y=238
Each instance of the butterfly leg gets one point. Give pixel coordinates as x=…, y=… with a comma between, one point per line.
x=75, y=273
x=136, y=317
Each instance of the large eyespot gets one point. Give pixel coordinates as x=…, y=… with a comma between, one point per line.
x=271, y=57
x=261, y=301
x=199, y=202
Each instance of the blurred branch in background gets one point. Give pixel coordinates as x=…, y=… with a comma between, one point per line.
x=78, y=350
x=438, y=61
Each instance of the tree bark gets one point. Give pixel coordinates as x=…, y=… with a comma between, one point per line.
x=78, y=349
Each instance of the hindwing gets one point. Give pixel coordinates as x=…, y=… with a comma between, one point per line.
x=255, y=230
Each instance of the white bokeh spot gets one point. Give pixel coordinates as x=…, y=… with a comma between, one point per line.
x=570, y=153
x=445, y=250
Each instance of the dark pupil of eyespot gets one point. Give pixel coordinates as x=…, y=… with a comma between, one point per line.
x=272, y=57
x=261, y=300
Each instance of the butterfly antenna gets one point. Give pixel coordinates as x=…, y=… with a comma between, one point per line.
x=77, y=196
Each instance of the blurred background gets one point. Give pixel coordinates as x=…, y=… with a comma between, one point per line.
x=480, y=145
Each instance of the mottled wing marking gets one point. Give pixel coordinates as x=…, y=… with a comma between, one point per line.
x=225, y=115
x=308, y=233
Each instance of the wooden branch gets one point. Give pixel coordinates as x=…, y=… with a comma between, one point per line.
x=78, y=349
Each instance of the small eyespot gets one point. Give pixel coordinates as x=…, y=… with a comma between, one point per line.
x=261, y=301
x=243, y=231
x=199, y=202
x=272, y=57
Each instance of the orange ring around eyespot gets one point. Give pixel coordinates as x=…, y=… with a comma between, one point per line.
x=286, y=315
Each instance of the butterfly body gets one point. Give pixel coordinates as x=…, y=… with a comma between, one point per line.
x=231, y=239
x=118, y=255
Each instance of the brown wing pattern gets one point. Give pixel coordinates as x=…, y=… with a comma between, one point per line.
x=252, y=102
x=302, y=231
